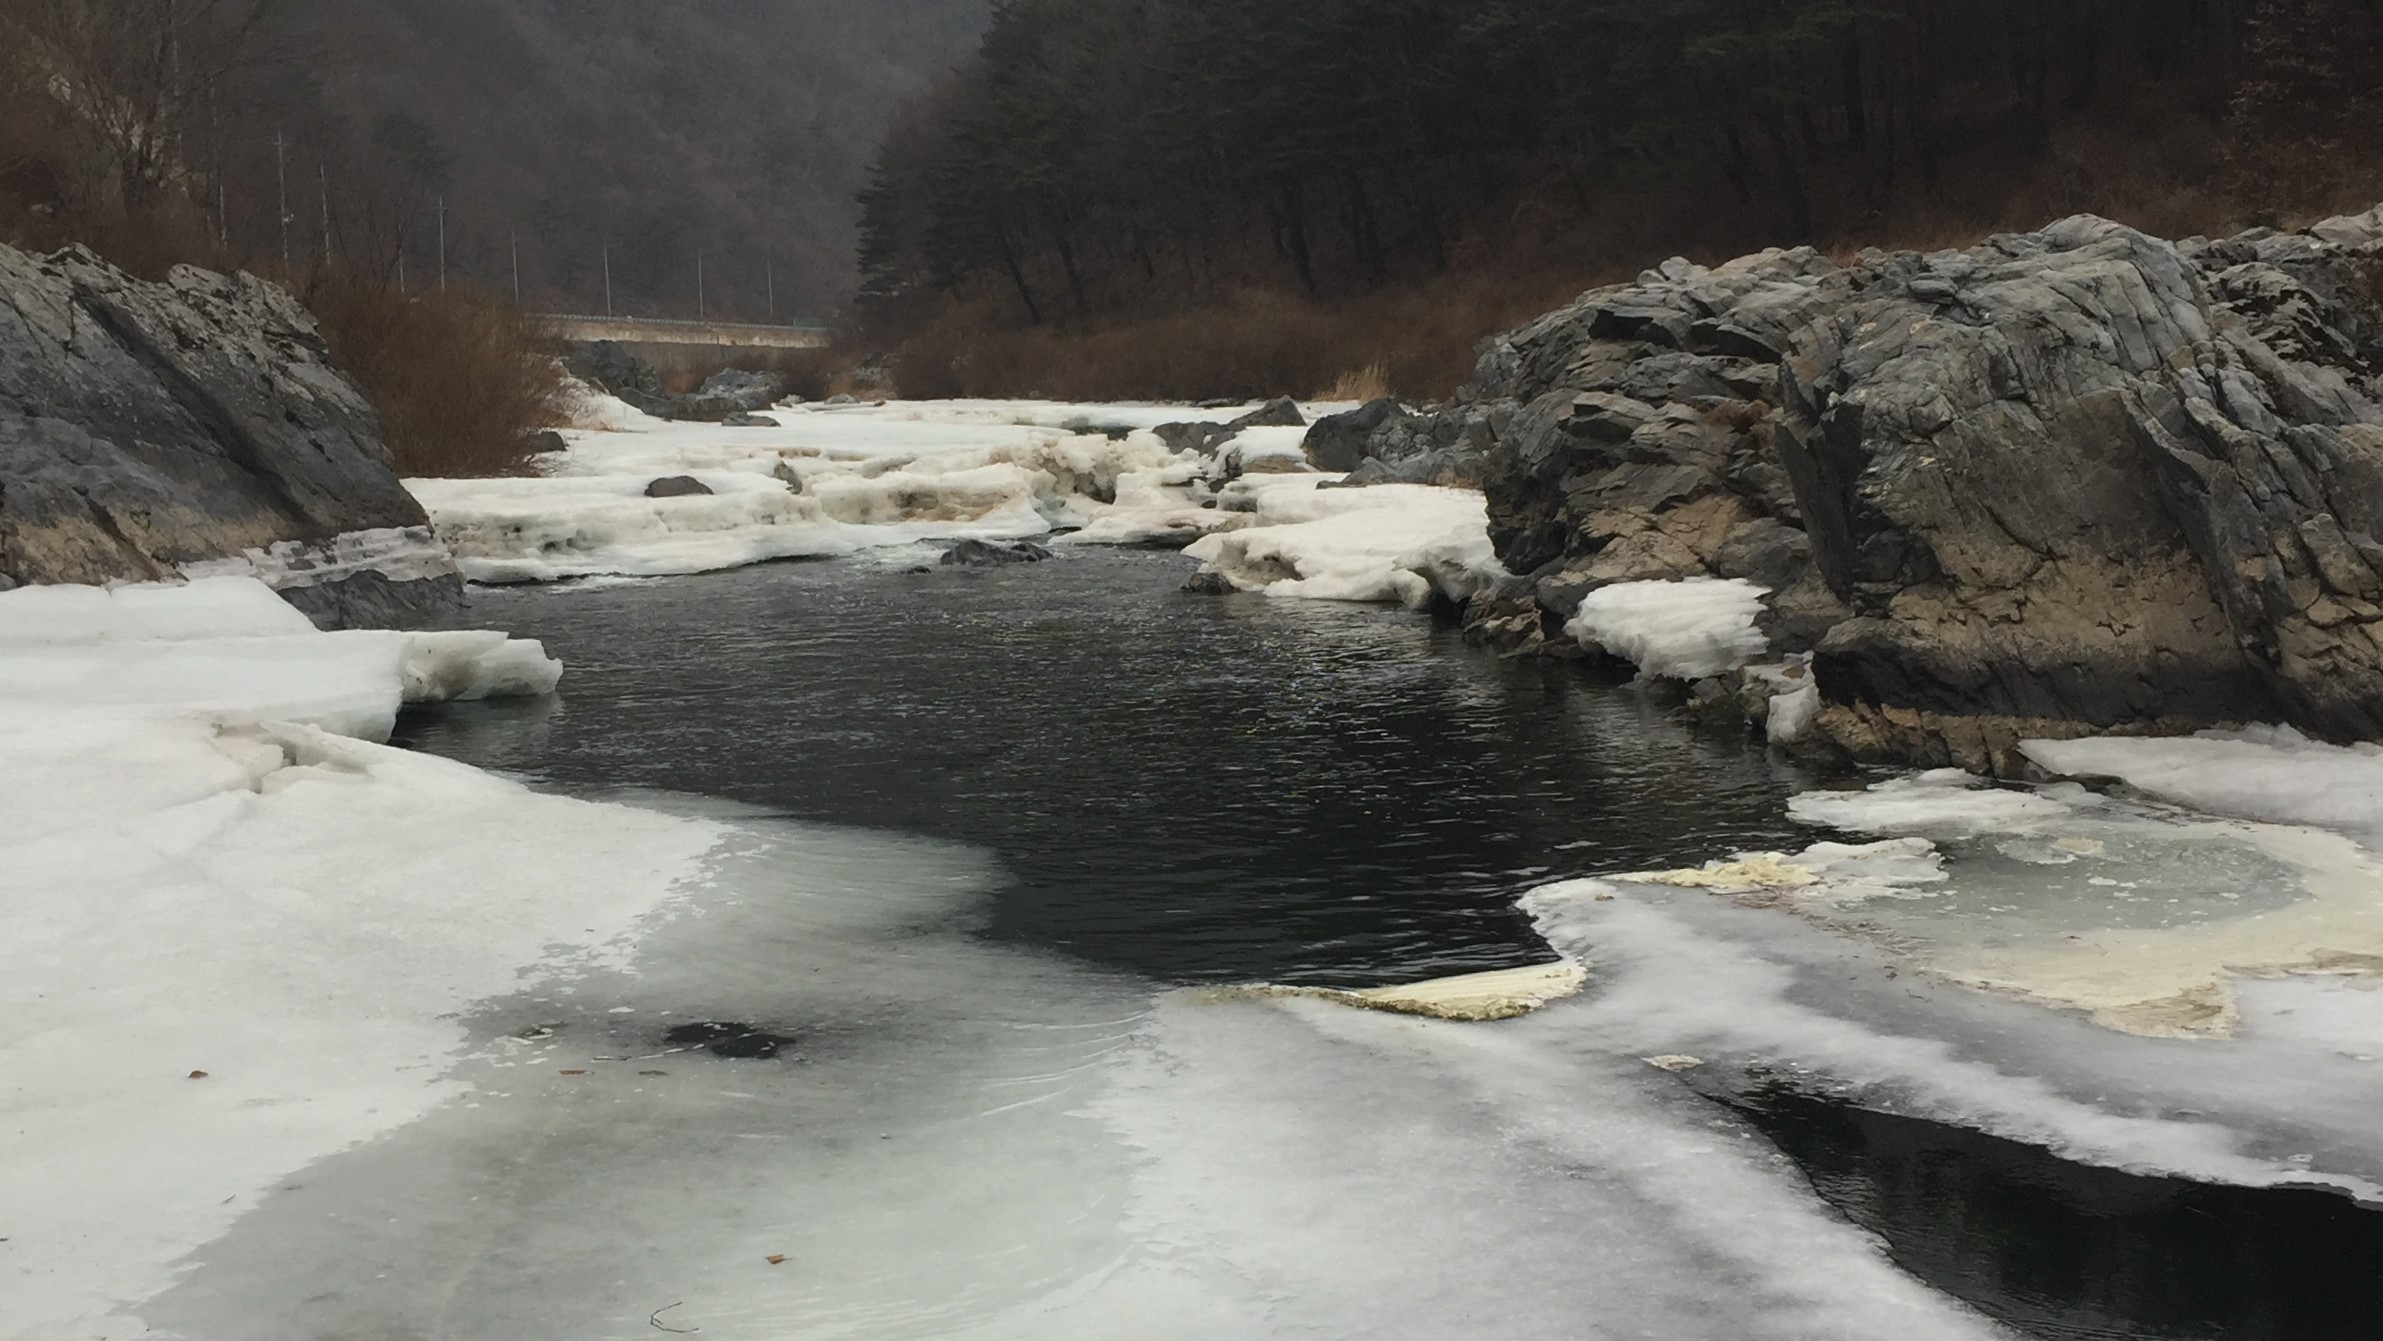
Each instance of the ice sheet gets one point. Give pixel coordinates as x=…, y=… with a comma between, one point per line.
x=2265, y=773
x=238, y=940
x=230, y=650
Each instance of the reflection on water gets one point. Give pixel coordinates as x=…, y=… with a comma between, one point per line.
x=1189, y=787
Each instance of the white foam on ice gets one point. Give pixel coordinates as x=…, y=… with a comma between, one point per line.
x=1684, y=630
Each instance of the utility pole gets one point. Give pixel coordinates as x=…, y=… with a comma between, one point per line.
x=281, y=160
x=442, y=244
x=323, y=177
x=769, y=279
x=608, y=277
x=699, y=283
x=516, y=267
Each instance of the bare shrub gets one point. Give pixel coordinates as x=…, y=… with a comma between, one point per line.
x=461, y=381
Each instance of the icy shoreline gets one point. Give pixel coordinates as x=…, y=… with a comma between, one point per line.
x=240, y=929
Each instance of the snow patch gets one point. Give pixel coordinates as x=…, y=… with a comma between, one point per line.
x=1686, y=630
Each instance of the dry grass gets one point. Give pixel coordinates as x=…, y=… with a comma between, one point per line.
x=461, y=382
x=1371, y=382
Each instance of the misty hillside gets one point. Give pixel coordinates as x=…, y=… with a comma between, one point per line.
x=737, y=130
x=740, y=127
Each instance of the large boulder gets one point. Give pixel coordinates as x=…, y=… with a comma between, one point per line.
x=2080, y=479
x=196, y=426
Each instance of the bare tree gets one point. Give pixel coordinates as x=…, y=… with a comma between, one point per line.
x=133, y=79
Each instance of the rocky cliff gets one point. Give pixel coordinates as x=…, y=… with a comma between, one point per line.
x=2081, y=479
x=196, y=426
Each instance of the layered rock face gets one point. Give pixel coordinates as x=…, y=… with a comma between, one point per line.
x=197, y=426
x=2072, y=480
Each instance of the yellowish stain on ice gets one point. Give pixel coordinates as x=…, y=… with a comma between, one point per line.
x=1748, y=873
x=2178, y=982
x=1501, y=994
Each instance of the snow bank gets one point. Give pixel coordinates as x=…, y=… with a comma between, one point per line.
x=229, y=649
x=832, y=481
x=1391, y=542
x=238, y=939
x=1684, y=630
x=828, y=481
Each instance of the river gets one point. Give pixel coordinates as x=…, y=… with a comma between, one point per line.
x=990, y=835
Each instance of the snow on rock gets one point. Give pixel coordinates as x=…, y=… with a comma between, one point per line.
x=1392, y=542
x=1685, y=630
x=239, y=937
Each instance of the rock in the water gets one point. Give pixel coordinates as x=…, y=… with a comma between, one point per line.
x=2075, y=479
x=149, y=430
x=677, y=486
x=986, y=554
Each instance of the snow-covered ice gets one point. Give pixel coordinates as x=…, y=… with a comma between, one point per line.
x=228, y=648
x=1390, y=542
x=1684, y=630
x=237, y=937
x=832, y=481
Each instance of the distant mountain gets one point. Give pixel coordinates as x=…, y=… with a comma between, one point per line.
x=658, y=131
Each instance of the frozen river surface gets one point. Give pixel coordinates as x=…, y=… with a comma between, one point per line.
x=990, y=839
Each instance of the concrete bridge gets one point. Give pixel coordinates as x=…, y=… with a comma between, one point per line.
x=689, y=346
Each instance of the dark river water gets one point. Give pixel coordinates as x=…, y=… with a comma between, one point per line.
x=1188, y=789
x=1183, y=786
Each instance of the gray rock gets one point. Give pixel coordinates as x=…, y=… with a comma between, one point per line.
x=1281, y=412
x=148, y=426
x=606, y=364
x=1341, y=442
x=1209, y=584
x=742, y=420
x=1195, y=436
x=548, y=441
x=677, y=486
x=986, y=554
x=2073, y=479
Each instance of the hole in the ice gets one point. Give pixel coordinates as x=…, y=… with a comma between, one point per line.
x=2069, y=1251
x=740, y=1042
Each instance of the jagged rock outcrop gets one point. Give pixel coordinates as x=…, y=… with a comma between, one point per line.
x=2076, y=479
x=196, y=425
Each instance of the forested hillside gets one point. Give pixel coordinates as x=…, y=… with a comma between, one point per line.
x=1107, y=160
x=557, y=131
